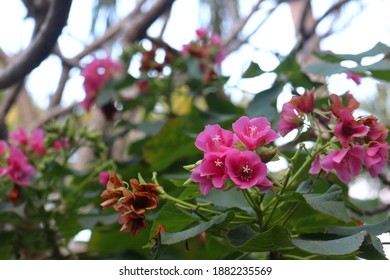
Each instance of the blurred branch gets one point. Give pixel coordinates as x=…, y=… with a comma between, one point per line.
x=9, y=99
x=240, y=42
x=307, y=32
x=41, y=46
x=55, y=99
x=240, y=25
x=133, y=26
x=52, y=113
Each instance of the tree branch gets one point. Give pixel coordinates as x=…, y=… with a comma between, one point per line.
x=41, y=47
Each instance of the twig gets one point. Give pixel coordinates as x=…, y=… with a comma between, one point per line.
x=55, y=99
x=238, y=28
x=41, y=47
x=9, y=99
x=52, y=113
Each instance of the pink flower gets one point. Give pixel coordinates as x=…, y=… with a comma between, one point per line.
x=347, y=162
x=376, y=130
x=215, y=39
x=104, y=176
x=214, y=139
x=205, y=183
x=95, y=74
x=18, y=169
x=61, y=144
x=33, y=142
x=376, y=158
x=303, y=103
x=19, y=136
x=254, y=132
x=213, y=165
x=354, y=77
x=201, y=32
x=37, y=141
x=3, y=147
x=337, y=104
x=246, y=170
x=289, y=120
x=348, y=128
x=316, y=165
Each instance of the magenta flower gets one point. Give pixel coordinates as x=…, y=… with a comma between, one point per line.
x=19, y=136
x=37, y=141
x=316, y=165
x=354, y=77
x=254, y=132
x=347, y=162
x=376, y=158
x=201, y=32
x=215, y=39
x=289, y=120
x=214, y=139
x=3, y=147
x=104, y=177
x=348, y=128
x=246, y=170
x=95, y=74
x=33, y=142
x=18, y=169
x=213, y=165
x=205, y=183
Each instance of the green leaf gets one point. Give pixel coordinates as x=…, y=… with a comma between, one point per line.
x=276, y=238
x=374, y=229
x=253, y=70
x=169, y=145
x=372, y=249
x=325, y=69
x=91, y=221
x=10, y=208
x=221, y=104
x=240, y=234
x=330, y=203
x=341, y=246
x=289, y=65
x=264, y=103
x=332, y=57
x=171, y=238
x=172, y=219
x=190, y=192
x=106, y=94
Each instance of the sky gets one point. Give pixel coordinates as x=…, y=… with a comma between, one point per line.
x=370, y=25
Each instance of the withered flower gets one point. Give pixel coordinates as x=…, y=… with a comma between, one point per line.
x=132, y=222
x=148, y=187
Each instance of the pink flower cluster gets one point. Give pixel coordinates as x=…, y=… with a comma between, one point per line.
x=294, y=111
x=18, y=169
x=362, y=140
x=95, y=74
x=206, y=47
x=229, y=155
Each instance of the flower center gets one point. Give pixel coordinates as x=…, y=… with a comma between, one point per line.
x=252, y=130
x=246, y=173
x=218, y=163
x=216, y=138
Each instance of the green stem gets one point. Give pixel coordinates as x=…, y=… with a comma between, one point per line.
x=254, y=205
x=194, y=207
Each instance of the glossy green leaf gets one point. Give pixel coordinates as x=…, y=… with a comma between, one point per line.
x=374, y=229
x=276, y=238
x=325, y=69
x=175, y=237
x=372, y=249
x=172, y=219
x=341, y=246
x=330, y=203
x=264, y=103
x=253, y=70
x=169, y=145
